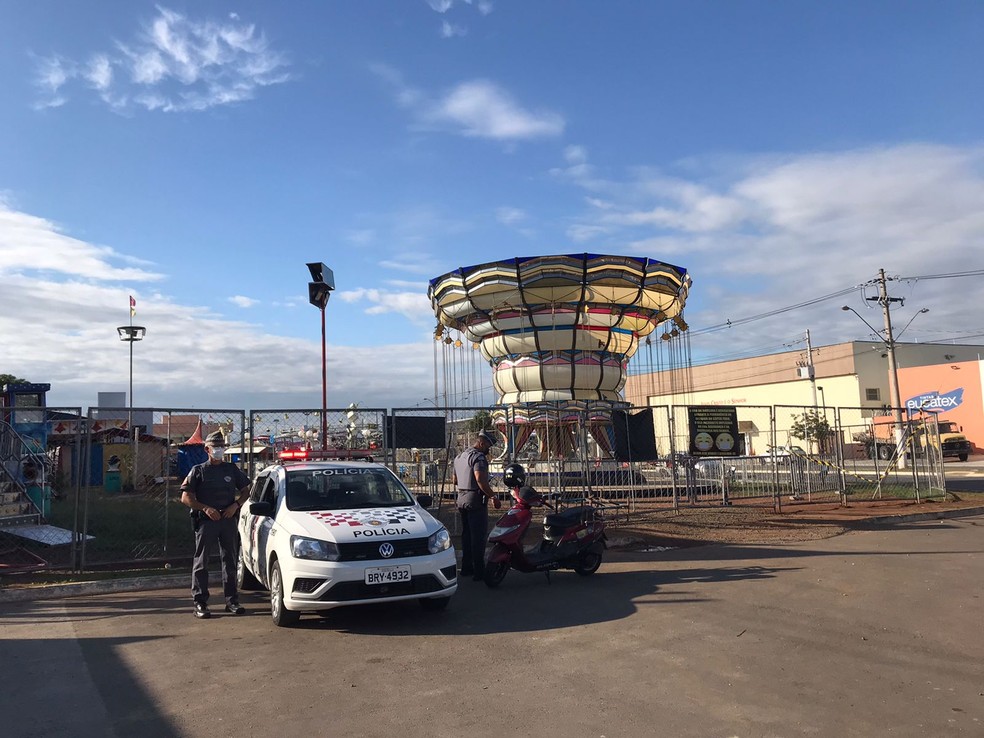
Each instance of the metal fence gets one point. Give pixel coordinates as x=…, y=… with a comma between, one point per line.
x=111, y=495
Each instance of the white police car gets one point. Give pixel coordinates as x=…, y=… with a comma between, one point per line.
x=324, y=534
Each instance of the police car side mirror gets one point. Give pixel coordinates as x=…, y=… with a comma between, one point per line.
x=425, y=500
x=261, y=508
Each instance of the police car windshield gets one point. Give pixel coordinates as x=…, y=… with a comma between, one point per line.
x=344, y=488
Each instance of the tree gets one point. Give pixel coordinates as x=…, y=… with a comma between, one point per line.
x=812, y=425
x=10, y=379
x=482, y=420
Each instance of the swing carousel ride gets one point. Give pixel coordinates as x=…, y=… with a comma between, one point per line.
x=558, y=332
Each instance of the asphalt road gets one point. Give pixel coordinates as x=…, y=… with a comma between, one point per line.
x=868, y=634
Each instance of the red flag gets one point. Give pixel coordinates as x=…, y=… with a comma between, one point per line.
x=133, y=306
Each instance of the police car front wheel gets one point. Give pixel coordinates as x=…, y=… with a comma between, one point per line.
x=281, y=615
x=244, y=579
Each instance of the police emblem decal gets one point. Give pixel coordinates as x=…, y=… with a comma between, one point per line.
x=386, y=550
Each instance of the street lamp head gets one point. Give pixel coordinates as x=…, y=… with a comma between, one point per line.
x=319, y=290
x=321, y=273
x=924, y=310
x=130, y=333
x=845, y=307
x=318, y=294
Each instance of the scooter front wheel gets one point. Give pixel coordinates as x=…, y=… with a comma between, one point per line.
x=495, y=572
x=587, y=563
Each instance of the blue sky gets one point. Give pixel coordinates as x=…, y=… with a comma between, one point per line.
x=196, y=155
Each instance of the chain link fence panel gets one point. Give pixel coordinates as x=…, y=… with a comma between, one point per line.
x=884, y=460
x=132, y=510
x=112, y=496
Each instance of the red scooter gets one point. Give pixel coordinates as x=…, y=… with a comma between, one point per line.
x=572, y=539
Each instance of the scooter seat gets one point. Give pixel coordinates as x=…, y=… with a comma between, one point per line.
x=569, y=518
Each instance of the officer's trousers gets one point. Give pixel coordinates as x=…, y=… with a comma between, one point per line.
x=207, y=533
x=474, y=533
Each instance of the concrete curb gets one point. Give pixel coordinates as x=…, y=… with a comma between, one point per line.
x=917, y=517
x=106, y=586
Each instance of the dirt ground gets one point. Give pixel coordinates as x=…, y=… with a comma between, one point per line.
x=745, y=524
x=649, y=526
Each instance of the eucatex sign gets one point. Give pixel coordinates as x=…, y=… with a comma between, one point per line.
x=934, y=402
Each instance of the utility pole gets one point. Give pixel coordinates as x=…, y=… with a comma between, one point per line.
x=810, y=367
x=893, y=368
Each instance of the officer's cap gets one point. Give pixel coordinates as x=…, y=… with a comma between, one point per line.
x=215, y=438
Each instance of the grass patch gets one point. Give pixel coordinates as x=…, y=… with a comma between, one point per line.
x=124, y=529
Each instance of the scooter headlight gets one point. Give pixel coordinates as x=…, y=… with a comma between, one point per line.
x=439, y=541
x=502, y=530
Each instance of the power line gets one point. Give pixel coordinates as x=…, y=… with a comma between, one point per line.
x=951, y=275
x=771, y=313
x=823, y=298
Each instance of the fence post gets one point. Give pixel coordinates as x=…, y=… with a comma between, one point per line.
x=776, y=493
x=80, y=475
x=841, y=459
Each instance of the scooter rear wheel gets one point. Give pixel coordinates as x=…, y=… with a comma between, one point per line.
x=588, y=563
x=495, y=572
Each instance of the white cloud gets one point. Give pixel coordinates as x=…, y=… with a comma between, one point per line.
x=61, y=298
x=482, y=109
x=575, y=155
x=483, y=6
x=578, y=170
x=477, y=108
x=440, y=6
x=174, y=64
x=450, y=30
x=243, y=302
x=361, y=237
x=411, y=265
x=412, y=305
x=32, y=245
x=99, y=72
x=510, y=216
x=771, y=231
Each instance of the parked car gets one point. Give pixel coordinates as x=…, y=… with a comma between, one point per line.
x=324, y=534
x=782, y=453
x=716, y=469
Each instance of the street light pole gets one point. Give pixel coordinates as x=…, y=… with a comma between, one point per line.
x=319, y=290
x=324, y=383
x=129, y=334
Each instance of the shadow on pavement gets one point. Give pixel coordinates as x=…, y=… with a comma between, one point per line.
x=96, y=608
x=79, y=688
x=525, y=603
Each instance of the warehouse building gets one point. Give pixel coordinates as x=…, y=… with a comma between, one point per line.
x=843, y=375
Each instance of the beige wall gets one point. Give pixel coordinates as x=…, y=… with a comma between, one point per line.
x=844, y=370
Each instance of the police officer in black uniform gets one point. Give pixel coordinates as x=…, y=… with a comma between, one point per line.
x=471, y=477
x=215, y=490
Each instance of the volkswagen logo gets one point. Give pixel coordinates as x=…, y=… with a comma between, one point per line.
x=386, y=550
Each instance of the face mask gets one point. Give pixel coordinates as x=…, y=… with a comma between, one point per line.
x=216, y=453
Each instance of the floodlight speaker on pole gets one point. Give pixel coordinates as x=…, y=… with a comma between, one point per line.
x=319, y=290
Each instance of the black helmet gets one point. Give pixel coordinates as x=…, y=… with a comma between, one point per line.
x=514, y=475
